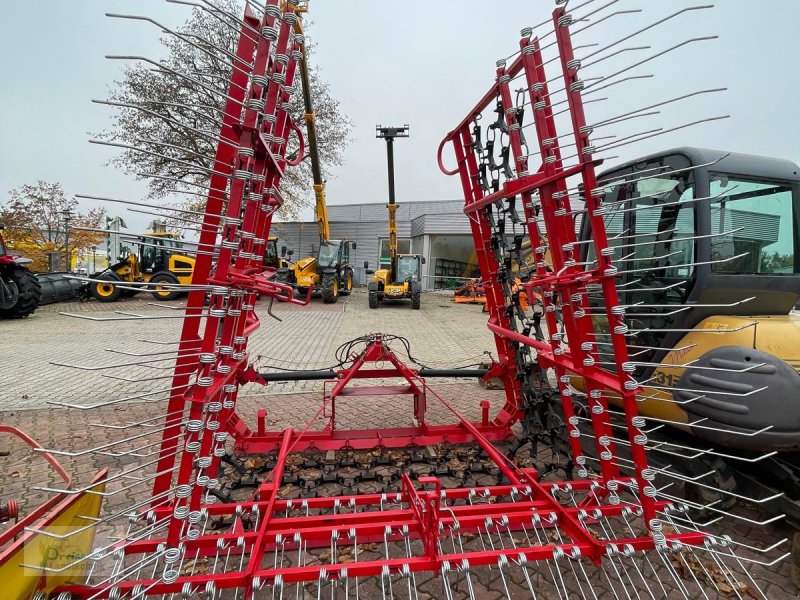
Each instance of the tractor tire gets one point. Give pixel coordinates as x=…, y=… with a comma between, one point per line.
x=373, y=299
x=161, y=294
x=347, y=286
x=27, y=289
x=106, y=292
x=330, y=288
x=416, y=300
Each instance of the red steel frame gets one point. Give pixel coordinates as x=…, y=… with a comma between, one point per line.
x=213, y=360
x=566, y=279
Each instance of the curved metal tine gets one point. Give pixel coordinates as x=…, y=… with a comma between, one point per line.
x=144, y=285
x=652, y=289
x=575, y=19
x=137, y=318
x=214, y=139
x=183, y=37
x=728, y=305
x=616, y=119
x=173, y=146
x=146, y=205
x=655, y=133
x=120, y=400
x=630, y=117
x=675, y=203
x=654, y=56
x=117, y=366
x=681, y=239
x=596, y=89
x=121, y=475
x=566, y=110
x=183, y=227
x=160, y=419
x=193, y=109
x=207, y=189
x=177, y=74
x=612, y=55
x=137, y=450
x=156, y=154
x=690, y=264
x=213, y=12
x=646, y=28
x=683, y=309
x=710, y=506
x=632, y=258
x=710, y=451
x=107, y=519
x=126, y=353
x=201, y=74
x=173, y=217
x=696, y=424
x=103, y=552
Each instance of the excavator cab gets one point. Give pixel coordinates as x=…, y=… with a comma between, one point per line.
x=719, y=231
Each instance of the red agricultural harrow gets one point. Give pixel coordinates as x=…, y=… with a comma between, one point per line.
x=559, y=527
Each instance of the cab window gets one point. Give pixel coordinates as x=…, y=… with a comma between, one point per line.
x=753, y=226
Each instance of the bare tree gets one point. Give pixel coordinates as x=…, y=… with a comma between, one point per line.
x=175, y=119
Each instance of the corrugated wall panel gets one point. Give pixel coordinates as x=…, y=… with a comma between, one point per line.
x=446, y=223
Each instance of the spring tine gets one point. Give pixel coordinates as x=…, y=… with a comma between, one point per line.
x=116, y=401
x=199, y=132
x=146, y=205
x=651, y=134
x=654, y=56
x=185, y=38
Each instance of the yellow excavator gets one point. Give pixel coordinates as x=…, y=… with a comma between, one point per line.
x=157, y=259
x=330, y=270
x=402, y=280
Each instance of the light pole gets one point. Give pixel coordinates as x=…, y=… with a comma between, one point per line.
x=67, y=216
x=94, y=259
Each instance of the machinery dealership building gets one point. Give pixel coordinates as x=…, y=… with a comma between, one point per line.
x=438, y=230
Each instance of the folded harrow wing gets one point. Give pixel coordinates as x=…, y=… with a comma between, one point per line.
x=563, y=525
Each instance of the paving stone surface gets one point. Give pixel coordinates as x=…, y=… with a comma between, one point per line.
x=34, y=350
x=441, y=334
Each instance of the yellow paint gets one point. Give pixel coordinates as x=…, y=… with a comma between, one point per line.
x=20, y=583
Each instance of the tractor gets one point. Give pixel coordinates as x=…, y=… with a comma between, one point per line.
x=158, y=260
x=20, y=291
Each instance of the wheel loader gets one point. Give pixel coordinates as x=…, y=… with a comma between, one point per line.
x=20, y=290
x=157, y=259
x=721, y=231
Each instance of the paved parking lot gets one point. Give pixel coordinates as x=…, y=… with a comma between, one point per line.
x=441, y=334
x=34, y=351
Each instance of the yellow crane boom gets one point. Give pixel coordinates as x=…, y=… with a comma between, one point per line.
x=311, y=131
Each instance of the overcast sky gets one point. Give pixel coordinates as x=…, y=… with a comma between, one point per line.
x=396, y=62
